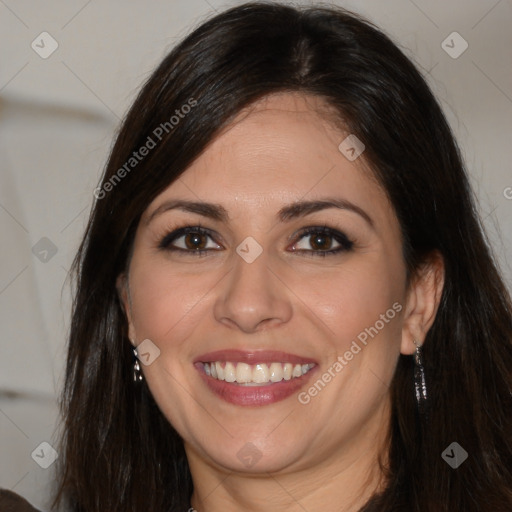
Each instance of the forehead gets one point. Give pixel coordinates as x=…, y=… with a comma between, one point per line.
x=284, y=133
x=281, y=149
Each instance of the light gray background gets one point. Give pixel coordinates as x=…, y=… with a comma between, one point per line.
x=57, y=120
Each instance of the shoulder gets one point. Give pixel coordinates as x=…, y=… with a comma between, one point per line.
x=12, y=502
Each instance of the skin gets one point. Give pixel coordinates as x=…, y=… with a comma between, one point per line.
x=322, y=455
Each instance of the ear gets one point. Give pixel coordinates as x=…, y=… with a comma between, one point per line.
x=123, y=291
x=422, y=303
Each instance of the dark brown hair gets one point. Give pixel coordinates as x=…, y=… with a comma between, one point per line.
x=119, y=452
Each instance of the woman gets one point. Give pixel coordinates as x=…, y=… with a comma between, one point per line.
x=284, y=297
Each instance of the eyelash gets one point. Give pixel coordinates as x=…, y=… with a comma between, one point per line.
x=345, y=243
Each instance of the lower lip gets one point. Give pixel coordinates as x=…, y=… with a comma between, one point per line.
x=254, y=395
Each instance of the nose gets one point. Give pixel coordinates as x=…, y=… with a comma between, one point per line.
x=252, y=297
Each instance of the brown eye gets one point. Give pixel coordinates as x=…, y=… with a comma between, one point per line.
x=319, y=241
x=195, y=241
x=189, y=240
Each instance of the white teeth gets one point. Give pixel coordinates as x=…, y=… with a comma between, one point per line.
x=250, y=375
x=260, y=373
x=276, y=372
x=243, y=372
x=219, y=369
x=229, y=372
x=297, y=370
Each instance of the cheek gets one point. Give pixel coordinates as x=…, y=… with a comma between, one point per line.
x=166, y=308
x=361, y=304
x=163, y=298
x=353, y=297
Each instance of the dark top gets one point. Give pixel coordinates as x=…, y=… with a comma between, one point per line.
x=11, y=502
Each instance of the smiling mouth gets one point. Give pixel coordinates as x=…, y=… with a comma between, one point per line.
x=253, y=378
x=260, y=374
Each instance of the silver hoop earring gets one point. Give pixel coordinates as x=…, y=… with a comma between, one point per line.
x=420, y=384
x=137, y=372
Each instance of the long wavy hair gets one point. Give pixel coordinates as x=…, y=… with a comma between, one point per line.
x=118, y=450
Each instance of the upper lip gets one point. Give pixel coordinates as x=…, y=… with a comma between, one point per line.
x=253, y=357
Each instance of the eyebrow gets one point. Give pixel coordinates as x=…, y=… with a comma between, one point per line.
x=286, y=214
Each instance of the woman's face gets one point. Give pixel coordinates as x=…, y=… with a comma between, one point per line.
x=298, y=295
